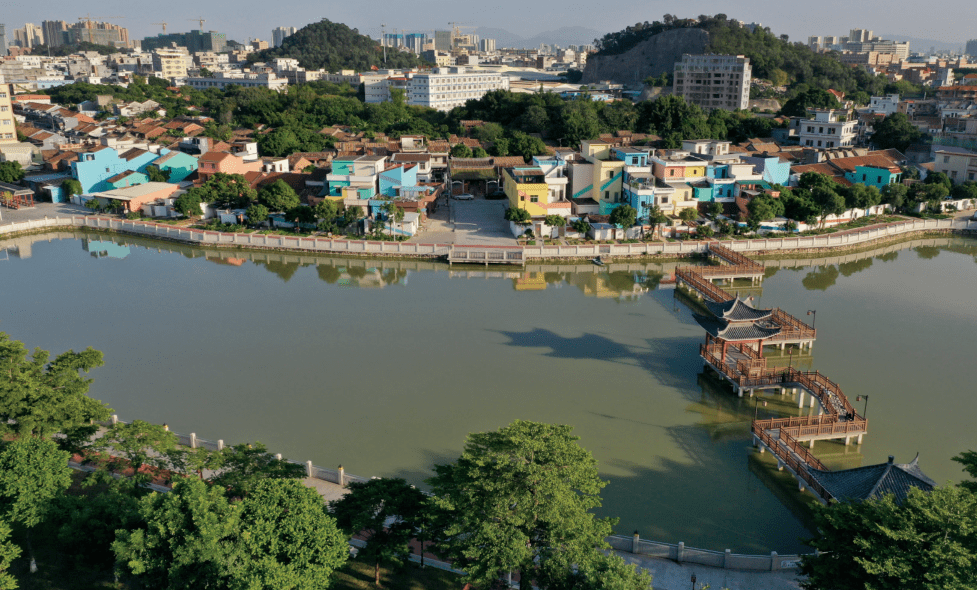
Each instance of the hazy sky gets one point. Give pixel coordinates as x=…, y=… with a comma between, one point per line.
x=949, y=20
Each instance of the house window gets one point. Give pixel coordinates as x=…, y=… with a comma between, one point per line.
x=953, y=174
x=946, y=159
x=879, y=181
x=610, y=174
x=607, y=195
x=534, y=199
x=863, y=178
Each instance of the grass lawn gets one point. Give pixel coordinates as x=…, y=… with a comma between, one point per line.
x=358, y=575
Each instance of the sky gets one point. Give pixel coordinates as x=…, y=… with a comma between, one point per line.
x=950, y=20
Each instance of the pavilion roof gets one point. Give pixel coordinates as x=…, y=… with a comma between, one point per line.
x=737, y=310
x=738, y=332
x=874, y=481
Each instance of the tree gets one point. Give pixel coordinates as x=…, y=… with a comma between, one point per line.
x=939, y=178
x=188, y=204
x=225, y=190
x=656, y=218
x=518, y=216
x=11, y=172
x=157, y=175
x=93, y=204
x=580, y=226
x=278, y=196
x=479, y=152
x=688, y=214
x=8, y=553
x=815, y=98
x=41, y=398
x=895, y=131
x=243, y=466
x=301, y=215
x=715, y=209
x=460, y=150
x=501, y=147
x=352, y=215
x=894, y=194
x=928, y=541
x=764, y=208
x=828, y=202
x=71, y=187
x=519, y=499
x=326, y=210
x=555, y=220
x=86, y=525
x=187, y=540
x=256, y=214
x=386, y=512
x=287, y=538
x=969, y=461
x=860, y=196
x=145, y=448
x=624, y=216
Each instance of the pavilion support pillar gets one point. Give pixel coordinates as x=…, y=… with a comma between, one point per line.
x=860, y=438
x=810, y=445
x=756, y=441
x=847, y=441
x=751, y=392
x=800, y=399
x=763, y=449
x=800, y=484
x=782, y=344
x=780, y=465
x=814, y=399
x=740, y=392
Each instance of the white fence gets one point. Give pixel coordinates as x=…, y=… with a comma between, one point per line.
x=372, y=248
x=718, y=559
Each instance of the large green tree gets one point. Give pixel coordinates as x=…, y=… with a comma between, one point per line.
x=519, y=500
x=11, y=172
x=387, y=512
x=225, y=190
x=8, y=553
x=147, y=449
x=895, y=131
x=827, y=201
x=969, y=461
x=242, y=466
x=33, y=472
x=287, y=541
x=624, y=216
x=42, y=397
x=188, y=539
x=278, y=196
x=929, y=542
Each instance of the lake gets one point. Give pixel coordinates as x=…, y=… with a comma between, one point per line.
x=385, y=366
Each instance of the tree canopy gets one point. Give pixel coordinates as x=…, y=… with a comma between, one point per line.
x=895, y=131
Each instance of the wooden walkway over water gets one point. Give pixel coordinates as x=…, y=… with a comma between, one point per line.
x=744, y=366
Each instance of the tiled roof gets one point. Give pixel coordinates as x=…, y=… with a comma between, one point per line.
x=875, y=481
x=470, y=163
x=508, y=161
x=735, y=332
x=121, y=175
x=737, y=310
x=132, y=154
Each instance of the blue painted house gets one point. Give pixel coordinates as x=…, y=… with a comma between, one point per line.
x=393, y=179
x=179, y=164
x=93, y=169
x=771, y=169
x=876, y=176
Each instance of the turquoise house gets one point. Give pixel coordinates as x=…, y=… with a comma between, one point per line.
x=393, y=179
x=874, y=176
x=127, y=179
x=178, y=164
x=771, y=169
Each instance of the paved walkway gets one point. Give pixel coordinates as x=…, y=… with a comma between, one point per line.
x=668, y=575
x=476, y=222
x=40, y=211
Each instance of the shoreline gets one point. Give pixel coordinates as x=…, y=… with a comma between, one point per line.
x=762, y=248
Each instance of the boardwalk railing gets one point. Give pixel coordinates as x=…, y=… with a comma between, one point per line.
x=797, y=463
x=792, y=328
x=731, y=257
x=366, y=247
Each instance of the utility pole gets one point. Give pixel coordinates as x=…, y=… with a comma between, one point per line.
x=383, y=41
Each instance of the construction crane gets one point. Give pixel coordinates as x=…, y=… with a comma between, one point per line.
x=199, y=20
x=89, y=19
x=164, y=26
x=456, y=31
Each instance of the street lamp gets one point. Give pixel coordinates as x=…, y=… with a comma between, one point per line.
x=756, y=407
x=693, y=581
x=865, y=411
x=813, y=312
x=790, y=360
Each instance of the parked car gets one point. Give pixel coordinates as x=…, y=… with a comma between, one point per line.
x=497, y=195
x=463, y=197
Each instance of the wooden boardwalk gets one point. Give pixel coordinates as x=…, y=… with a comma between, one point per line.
x=743, y=365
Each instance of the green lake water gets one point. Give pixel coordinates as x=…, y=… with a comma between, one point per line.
x=385, y=366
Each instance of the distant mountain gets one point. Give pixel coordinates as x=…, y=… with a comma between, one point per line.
x=564, y=36
x=916, y=44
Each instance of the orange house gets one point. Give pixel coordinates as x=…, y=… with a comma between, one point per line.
x=213, y=162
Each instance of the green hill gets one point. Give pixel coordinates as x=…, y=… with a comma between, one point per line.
x=334, y=46
x=772, y=57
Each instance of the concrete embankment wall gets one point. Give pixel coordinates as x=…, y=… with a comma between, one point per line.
x=257, y=241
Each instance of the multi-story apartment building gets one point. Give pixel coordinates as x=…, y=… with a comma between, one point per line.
x=958, y=165
x=443, y=89
x=171, y=62
x=54, y=31
x=827, y=129
x=972, y=48
x=3, y=40
x=98, y=33
x=884, y=105
x=194, y=41
x=714, y=81
x=29, y=36
x=8, y=126
x=222, y=79
x=278, y=34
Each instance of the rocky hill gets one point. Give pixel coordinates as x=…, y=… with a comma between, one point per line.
x=650, y=57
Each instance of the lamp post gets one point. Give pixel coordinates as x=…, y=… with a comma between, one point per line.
x=813, y=312
x=693, y=581
x=865, y=411
x=756, y=407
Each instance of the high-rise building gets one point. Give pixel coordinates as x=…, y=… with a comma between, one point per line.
x=486, y=45
x=29, y=36
x=97, y=33
x=415, y=42
x=814, y=43
x=3, y=39
x=442, y=40
x=194, y=41
x=972, y=48
x=54, y=31
x=278, y=34
x=714, y=81
x=860, y=36
x=8, y=126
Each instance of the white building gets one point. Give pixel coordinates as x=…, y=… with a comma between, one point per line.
x=447, y=88
x=278, y=35
x=828, y=129
x=223, y=79
x=884, y=105
x=959, y=165
x=8, y=126
x=171, y=63
x=714, y=81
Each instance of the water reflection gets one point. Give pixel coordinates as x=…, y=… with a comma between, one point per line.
x=105, y=249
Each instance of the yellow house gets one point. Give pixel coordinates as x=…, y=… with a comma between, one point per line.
x=608, y=175
x=682, y=198
x=527, y=189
